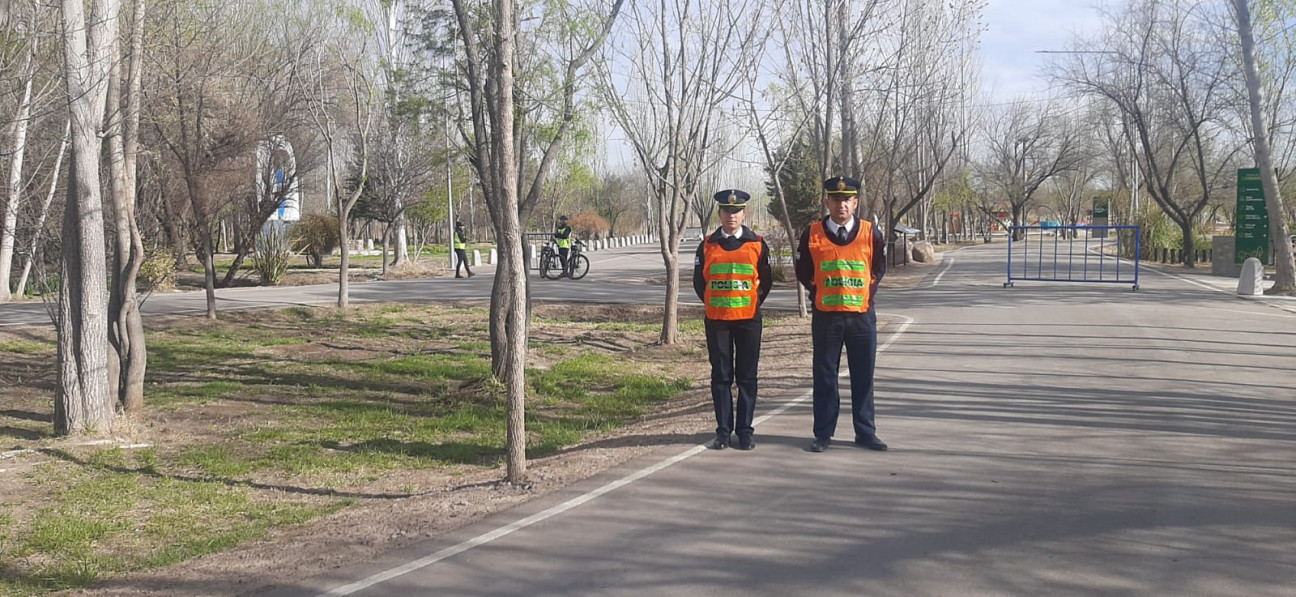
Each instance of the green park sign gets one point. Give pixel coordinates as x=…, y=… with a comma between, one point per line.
x=1099, y=217
x=1252, y=234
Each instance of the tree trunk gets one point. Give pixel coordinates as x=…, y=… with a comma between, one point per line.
x=207, y=249
x=1189, y=259
x=228, y=279
x=1284, y=264
x=344, y=268
x=670, y=239
x=83, y=402
x=8, y=231
x=126, y=332
x=402, y=241
x=504, y=169
x=39, y=230
x=386, y=241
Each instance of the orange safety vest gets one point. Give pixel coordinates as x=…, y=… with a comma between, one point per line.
x=732, y=280
x=842, y=275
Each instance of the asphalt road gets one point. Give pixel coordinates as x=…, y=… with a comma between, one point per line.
x=1047, y=439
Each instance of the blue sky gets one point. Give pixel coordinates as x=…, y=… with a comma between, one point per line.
x=1016, y=29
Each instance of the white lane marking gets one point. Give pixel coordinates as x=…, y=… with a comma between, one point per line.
x=943, y=272
x=541, y=516
x=508, y=529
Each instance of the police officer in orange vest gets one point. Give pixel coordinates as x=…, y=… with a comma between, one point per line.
x=840, y=260
x=732, y=276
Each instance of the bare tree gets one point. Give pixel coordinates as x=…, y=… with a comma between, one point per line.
x=1071, y=191
x=21, y=59
x=84, y=400
x=612, y=199
x=491, y=42
x=126, y=328
x=1285, y=268
x=401, y=169
x=200, y=114
x=1026, y=148
x=491, y=96
x=772, y=132
x=339, y=81
x=1163, y=69
x=686, y=62
x=38, y=229
x=914, y=107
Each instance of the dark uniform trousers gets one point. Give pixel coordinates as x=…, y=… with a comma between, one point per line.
x=734, y=349
x=858, y=333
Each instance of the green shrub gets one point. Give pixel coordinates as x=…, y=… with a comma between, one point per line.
x=272, y=255
x=158, y=270
x=316, y=236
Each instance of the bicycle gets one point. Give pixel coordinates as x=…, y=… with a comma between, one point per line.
x=551, y=262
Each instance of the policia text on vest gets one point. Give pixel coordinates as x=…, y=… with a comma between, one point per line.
x=732, y=276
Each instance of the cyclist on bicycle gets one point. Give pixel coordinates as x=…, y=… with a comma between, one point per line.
x=562, y=238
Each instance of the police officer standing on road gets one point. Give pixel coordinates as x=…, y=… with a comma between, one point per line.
x=840, y=260
x=461, y=250
x=562, y=237
x=732, y=276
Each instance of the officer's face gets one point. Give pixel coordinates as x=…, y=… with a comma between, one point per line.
x=731, y=219
x=840, y=207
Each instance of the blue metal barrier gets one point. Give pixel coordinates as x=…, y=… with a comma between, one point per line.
x=1073, y=254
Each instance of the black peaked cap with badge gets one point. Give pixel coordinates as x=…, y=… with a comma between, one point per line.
x=841, y=185
x=732, y=198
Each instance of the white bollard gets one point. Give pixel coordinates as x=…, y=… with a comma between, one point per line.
x=1251, y=281
x=532, y=256
x=494, y=257
x=476, y=258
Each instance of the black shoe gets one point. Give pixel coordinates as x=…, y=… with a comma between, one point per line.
x=745, y=443
x=470, y=274
x=820, y=444
x=720, y=442
x=872, y=443
x=458, y=276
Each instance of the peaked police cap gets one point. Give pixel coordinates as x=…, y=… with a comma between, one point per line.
x=732, y=198
x=842, y=185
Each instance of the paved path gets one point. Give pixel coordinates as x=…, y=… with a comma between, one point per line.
x=1047, y=439
x=616, y=276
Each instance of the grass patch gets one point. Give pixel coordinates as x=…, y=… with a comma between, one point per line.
x=102, y=521
x=26, y=347
x=266, y=418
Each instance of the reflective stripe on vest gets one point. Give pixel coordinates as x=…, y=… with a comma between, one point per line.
x=731, y=280
x=842, y=274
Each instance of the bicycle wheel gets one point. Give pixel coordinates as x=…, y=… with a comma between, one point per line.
x=550, y=267
x=579, y=267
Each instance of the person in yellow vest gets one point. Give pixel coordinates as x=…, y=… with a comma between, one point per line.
x=732, y=276
x=562, y=237
x=461, y=250
x=840, y=261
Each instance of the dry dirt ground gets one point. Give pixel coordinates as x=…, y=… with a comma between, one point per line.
x=448, y=502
